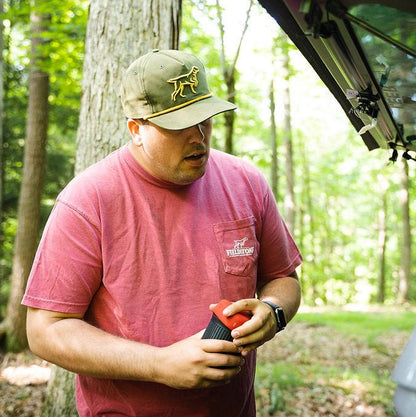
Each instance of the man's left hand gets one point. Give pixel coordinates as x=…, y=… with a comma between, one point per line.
x=256, y=331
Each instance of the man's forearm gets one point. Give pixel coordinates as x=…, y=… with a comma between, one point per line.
x=84, y=349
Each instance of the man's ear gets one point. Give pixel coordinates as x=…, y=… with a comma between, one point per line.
x=134, y=130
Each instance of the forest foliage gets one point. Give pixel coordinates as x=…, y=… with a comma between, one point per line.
x=340, y=187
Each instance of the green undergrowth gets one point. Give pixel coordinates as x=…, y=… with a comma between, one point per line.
x=333, y=363
x=368, y=326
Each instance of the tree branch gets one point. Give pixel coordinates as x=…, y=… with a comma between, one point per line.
x=237, y=53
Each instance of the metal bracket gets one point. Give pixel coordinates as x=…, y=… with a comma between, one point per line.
x=367, y=102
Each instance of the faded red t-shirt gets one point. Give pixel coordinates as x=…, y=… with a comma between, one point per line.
x=143, y=259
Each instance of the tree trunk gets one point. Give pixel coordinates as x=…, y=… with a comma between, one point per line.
x=229, y=72
x=113, y=42
x=1, y=133
x=115, y=37
x=229, y=116
x=289, y=200
x=31, y=188
x=382, y=241
x=62, y=402
x=274, y=174
x=406, y=262
x=308, y=229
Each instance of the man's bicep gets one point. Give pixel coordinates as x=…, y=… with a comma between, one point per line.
x=41, y=316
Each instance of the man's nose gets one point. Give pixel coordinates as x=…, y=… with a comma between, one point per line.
x=197, y=134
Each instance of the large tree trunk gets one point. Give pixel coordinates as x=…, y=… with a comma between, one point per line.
x=60, y=400
x=31, y=187
x=406, y=262
x=115, y=37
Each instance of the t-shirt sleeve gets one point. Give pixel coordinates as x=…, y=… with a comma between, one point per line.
x=67, y=268
x=279, y=255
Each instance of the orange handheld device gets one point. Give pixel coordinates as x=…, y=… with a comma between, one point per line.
x=220, y=326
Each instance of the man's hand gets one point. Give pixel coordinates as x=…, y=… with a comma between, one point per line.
x=198, y=363
x=256, y=331
x=284, y=292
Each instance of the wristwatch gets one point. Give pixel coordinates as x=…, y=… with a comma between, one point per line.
x=279, y=314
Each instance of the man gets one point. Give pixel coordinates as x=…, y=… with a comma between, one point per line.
x=139, y=248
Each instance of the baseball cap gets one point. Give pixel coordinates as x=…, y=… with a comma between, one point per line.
x=170, y=89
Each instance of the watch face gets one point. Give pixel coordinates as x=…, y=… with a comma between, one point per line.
x=281, y=317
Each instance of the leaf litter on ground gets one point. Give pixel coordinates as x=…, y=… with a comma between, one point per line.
x=334, y=369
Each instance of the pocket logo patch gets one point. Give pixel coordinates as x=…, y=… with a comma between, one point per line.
x=240, y=249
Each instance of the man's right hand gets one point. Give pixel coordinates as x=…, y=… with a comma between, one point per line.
x=198, y=363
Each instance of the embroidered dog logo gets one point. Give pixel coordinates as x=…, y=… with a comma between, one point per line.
x=180, y=82
x=240, y=249
x=240, y=243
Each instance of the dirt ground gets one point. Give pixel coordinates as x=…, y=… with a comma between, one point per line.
x=23, y=381
x=23, y=377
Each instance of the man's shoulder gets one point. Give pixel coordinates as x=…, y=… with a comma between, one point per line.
x=89, y=182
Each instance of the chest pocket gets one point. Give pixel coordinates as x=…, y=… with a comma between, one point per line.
x=238, y=245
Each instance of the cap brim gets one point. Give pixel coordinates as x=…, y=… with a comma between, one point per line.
x=193, y=114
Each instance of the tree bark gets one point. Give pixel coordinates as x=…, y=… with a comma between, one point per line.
x=115, y=37
x=62, y=402
x=113, y=42
x=31, y=187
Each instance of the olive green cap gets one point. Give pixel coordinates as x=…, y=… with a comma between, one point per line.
x=170, y=89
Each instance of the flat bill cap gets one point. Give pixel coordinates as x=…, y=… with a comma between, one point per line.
x=170, y=89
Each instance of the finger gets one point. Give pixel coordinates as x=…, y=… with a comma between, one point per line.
x=249, y=348
x=212, y=306
x=222, y=375
x=220, y=360
x=251, y=338
x=220, y=346
x=257, y=323
x=247, y=304
x=251, y=326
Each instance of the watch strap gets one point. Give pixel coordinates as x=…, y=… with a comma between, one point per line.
x=279, y=315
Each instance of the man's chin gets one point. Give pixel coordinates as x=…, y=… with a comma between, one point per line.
x=190, y=178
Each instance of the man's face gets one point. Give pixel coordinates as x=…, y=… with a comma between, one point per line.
x=177, y=156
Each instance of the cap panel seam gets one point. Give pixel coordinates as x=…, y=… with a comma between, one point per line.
x=142, y=81
x=179, y=106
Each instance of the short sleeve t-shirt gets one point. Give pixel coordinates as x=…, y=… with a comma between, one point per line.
x=143, y=259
